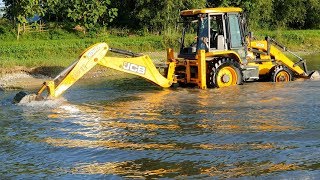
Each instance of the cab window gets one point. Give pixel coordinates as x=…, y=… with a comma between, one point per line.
x=203, y=33
x=235, y=33
x=216, y=30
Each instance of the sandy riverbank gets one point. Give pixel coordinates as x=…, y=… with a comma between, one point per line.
x=21, y=78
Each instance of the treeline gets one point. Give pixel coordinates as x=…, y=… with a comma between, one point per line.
x=160, y=15
x=275, y=14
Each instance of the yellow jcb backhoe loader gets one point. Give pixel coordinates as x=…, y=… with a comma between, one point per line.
x=216, y=51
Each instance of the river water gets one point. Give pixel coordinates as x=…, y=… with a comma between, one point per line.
x=129, y=128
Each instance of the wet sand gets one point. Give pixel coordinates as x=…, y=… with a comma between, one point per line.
x=20, y=78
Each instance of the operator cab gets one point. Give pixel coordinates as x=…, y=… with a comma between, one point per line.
x=212, y=29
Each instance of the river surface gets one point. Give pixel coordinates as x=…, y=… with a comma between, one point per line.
x=129, y=128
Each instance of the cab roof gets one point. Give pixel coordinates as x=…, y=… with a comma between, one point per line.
x=192, y=12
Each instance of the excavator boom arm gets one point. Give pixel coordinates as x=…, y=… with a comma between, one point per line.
x=140, y=65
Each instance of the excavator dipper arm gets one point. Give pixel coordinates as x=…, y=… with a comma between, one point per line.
x=140, y=65
x=86, y=61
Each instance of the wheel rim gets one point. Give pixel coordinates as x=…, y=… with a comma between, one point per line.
x=282, y=76
x=227, y=76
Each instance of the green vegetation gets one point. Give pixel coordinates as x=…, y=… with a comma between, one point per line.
x=62, y=51
x=295, y=40
x=88, y=13
x=139, y=25
x=160, y=15
x=60, y=48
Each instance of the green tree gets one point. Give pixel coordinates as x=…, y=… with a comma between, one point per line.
x=290, y=13
x=312, y=19
x=156, y=15
x=259, y=13
x=56, y=10
x=20, y=10
x=160, y=15
x=89, y=12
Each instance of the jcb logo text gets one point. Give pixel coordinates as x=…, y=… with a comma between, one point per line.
x=134, y=68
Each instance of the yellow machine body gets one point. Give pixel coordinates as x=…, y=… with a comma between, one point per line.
x=193, y=12
x=231, y=55
x=223, y=55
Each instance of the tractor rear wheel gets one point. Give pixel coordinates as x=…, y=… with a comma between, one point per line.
x=224, y=72
x=281, y=74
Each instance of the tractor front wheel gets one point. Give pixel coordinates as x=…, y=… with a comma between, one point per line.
x=281, y=74
x=224, y=72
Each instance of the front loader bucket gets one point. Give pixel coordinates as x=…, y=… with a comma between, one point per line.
x=315, y=75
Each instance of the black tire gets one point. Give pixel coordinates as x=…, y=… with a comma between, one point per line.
x=17, y=98
x=281, y=73
x=217, y=65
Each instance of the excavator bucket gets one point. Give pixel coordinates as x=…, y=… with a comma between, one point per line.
x=23, y=97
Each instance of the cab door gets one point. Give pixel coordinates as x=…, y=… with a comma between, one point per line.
x=235, y=35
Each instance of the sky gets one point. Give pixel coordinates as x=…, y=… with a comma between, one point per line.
x=1, y=5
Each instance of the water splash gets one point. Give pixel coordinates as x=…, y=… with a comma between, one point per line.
x=44, y=104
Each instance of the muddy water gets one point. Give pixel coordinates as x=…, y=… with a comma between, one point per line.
x=128, y=128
